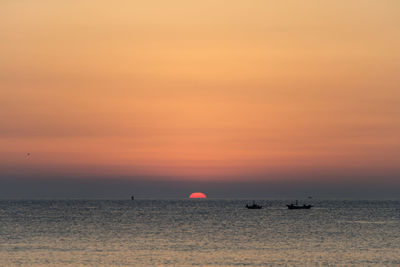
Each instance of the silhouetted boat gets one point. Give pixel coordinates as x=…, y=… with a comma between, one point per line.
x=298, y=207
x=254, y=206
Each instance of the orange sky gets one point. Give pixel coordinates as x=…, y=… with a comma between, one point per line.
x=200, y=89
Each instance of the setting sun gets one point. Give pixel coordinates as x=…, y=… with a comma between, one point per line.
x=197, y=195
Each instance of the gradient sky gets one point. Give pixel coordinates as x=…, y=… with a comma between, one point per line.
x=202, y=91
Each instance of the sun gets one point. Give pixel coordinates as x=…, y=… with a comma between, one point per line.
x=197, y=195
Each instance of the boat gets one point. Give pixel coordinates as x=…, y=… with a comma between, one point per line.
x=254, y=206
x=298, y=207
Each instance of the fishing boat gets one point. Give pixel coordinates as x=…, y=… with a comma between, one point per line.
x=254, y=206
x=296, y=206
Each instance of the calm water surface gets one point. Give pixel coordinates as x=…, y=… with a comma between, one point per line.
x=198, y=232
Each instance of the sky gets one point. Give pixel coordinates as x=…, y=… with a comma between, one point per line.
x=221, y=95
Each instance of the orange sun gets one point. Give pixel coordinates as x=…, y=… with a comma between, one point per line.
x=197, y=195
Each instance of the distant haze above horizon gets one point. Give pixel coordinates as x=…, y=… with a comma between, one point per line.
x=282, y=94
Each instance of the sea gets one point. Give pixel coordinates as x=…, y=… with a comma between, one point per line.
x=198, y=232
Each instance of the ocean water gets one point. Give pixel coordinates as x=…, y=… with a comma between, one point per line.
x=198, y=233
